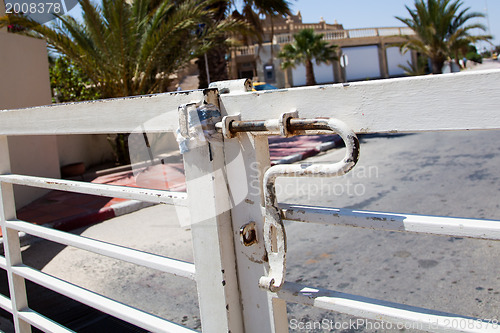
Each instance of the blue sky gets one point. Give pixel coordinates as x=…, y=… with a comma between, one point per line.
x=370, y=13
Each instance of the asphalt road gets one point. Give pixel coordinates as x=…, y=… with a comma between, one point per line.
x=448, y=174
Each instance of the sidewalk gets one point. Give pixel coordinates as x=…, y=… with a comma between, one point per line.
x=67, y=211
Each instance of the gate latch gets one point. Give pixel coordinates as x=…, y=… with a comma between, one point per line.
x=289, y=124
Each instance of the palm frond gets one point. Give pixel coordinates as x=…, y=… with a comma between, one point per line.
x=441, y=27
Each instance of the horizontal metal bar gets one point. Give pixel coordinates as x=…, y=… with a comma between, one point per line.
x=151, y=113
x=124, y=192
x=129, y=314
x=392, y=105
x=388, y=312
x=41, y=322
x=437, y=225
x=272, y=126
x=5, y=303
x=164, y=264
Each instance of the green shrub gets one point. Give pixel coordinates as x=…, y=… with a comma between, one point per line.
x=474, y=57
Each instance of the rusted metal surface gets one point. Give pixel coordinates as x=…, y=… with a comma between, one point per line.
x=288, y=126
x=248, y=234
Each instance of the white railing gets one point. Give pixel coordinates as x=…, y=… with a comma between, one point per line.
x=245, y=50
x=362, y=33
x=229, y=261
x=332, y=35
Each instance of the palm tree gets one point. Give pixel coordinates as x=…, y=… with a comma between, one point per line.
x=308, y=46
x=441, y=29
x=461, y=38
x=415, y=69
x=131, y=48
x=250, y=13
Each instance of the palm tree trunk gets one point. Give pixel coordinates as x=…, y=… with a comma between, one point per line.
x=217, y=67
x=437, y=66
x=216, y=57
x=310, y=79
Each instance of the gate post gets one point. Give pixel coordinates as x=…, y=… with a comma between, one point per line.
x=261, y=312
x=11, y=243
x=212, y=233
x=246, y=161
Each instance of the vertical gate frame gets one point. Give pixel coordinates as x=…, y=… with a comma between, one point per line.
x=11, y=243
x=261, y=311
x=213, y=248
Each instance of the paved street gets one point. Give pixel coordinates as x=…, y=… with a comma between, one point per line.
x=452, y=174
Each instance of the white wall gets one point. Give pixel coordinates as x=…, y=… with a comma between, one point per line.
x=264, y=57
x=24, y=82
x=91, y=149
x=323, y=74
x=33, y=156
x=299, y=76
x=363, y=62
x=395, y=58
x=24, y=79
x=94, y=149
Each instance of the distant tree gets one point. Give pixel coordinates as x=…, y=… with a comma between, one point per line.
x=130, y=48
x=441, y=30
x=306, y=48
x=68, y=83
x=473, y=55
x=415, y=69
x=250, y=12
x=486, y=54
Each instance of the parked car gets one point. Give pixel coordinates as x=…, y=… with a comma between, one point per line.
x=258, y=86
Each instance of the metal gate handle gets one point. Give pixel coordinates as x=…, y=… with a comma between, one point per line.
x=289, y=125
x=274, y=230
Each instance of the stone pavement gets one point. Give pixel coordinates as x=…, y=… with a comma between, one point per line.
x=67, y=211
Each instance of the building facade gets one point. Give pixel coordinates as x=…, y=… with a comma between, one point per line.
x=369, y=53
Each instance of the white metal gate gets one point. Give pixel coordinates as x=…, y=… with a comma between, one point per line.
x=238, y=235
